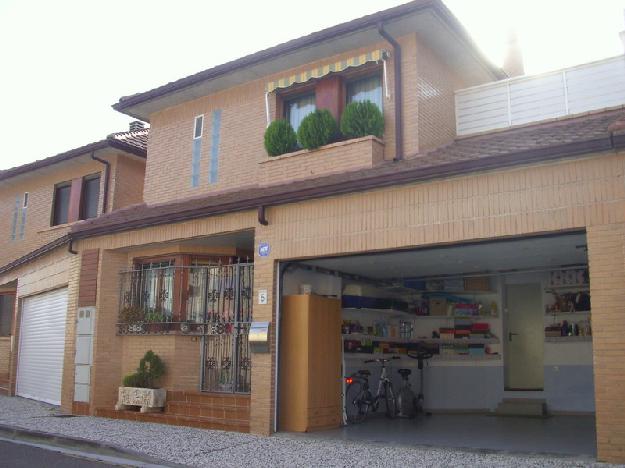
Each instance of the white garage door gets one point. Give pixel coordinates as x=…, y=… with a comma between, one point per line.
x=42, y=345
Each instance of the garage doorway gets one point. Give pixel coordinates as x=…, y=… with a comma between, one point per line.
x=507, y=324
x=42, y=346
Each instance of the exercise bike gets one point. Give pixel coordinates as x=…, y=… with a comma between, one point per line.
x=409, y=405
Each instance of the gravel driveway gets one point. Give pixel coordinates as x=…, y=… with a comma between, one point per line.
x=196, y=447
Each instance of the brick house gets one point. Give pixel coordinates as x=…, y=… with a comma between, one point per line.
x=40, y=202
x=499, y=196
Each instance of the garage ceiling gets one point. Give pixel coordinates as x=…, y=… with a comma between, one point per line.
x=543, y=252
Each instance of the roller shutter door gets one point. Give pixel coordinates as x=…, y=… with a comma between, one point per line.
x=42, y=346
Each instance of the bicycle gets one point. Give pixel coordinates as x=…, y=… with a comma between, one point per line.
x=358, y=397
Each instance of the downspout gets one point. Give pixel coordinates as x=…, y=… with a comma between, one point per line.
x=70, y=247
x=399, y=127
x=107, y=177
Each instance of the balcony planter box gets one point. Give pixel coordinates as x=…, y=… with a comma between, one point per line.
x=149, y=399
x=342, y=156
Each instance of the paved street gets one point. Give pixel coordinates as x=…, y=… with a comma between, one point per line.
x=15, y=455
x=196, y=447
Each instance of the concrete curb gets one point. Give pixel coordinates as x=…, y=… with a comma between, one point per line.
x=79, y=444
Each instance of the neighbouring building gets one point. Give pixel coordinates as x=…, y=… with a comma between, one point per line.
x=480, y=226
x=39, y=203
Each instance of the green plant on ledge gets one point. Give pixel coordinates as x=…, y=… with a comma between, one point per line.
x=360, y=119
x=280, y=138
x=151, y=368
x=317, y=129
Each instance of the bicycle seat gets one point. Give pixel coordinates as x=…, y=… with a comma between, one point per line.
x=420, y=354
x=404, y=372
x=364, y=372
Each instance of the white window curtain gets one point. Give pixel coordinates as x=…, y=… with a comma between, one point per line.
x=366, y=89
x=299, y=108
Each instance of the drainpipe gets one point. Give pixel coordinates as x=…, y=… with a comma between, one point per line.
x=107, y=176
x=399, y=127
x=70, y=247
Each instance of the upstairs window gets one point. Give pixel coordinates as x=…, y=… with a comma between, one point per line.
x=366, y=89
x=198, y=126
x=25, y=200
x=60, y=204
x=298, y=108
x=90, y=197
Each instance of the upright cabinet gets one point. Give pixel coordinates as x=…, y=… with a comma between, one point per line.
x=310, y=363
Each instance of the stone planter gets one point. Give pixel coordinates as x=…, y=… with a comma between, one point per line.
x=149, y=399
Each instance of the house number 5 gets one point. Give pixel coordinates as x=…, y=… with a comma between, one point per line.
x=262, y=297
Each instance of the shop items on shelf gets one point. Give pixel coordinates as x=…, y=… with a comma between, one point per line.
x=569, y=277
x=568, y=328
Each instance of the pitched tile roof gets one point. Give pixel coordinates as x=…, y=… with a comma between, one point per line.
x=539, y=142
x=130, y=142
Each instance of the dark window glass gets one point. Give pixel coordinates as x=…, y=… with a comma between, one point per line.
x=199, y=123
x=366, y=89
x=90, y=197
x=61, y=204
x=298, y=108
x=7, y=302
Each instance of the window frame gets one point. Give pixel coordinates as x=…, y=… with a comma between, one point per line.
x=57, y=187
x=25, y=199
x=287, y=99
x=195, y=120
x=365, y=75
x=88, y=178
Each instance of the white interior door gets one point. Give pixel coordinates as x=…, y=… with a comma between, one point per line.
x=42, y=346
x=524, y=337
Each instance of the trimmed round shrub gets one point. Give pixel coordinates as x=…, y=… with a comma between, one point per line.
x=360, y=119
x=317, y=129
x=280, y=138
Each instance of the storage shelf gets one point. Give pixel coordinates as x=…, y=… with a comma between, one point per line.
x=566, y=287
x=401, y=313
x=360, y=336
x=435, y=358
x=580, y=312
x=567, y=339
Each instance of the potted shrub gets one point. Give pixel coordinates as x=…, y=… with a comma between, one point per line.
x=360, y=119
x=317, y=129
x=280, y=138
x=139, y=389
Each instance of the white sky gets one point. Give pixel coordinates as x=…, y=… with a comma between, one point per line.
x=64, y=62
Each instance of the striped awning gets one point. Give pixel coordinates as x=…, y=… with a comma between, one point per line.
x=358, y=60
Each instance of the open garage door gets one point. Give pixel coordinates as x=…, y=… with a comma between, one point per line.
x=503, y=328
x=42, y=346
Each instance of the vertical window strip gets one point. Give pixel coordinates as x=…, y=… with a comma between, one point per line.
x=23, y=222
x=214, y=162
x=198, y=125
x=15, y=213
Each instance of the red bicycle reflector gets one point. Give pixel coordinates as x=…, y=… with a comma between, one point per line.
x=348, y=380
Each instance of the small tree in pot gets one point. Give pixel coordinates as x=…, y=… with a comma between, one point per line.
x=317, y=129
x=360, y=119
x=139, y=388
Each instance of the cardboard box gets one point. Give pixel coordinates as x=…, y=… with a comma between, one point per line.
x=438, y=306
x=481, y=283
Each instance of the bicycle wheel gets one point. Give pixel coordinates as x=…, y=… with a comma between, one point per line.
x=357, y=401
x=391, y=401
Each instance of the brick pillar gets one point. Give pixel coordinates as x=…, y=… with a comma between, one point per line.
x=606, y=258
x=329, y=95
x=107, y=345
x=261, y=402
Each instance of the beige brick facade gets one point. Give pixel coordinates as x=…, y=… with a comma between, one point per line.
x=585, y=193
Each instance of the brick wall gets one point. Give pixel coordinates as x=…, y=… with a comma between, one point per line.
x=88, y=281
x=126, y=188
x=243, y=124
x=5, y=356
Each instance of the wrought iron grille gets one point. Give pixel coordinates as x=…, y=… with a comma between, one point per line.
x=214, y=302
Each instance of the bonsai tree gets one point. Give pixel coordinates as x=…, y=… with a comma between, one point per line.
x=360, y=119
x=151, y=368
x=280, y=138
x=317, y=129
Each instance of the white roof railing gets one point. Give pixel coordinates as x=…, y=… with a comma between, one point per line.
x=521, y=100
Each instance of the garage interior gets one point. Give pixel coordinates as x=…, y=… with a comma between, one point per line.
x=508, y=325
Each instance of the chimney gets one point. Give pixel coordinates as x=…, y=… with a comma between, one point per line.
x=136, y=125
x=513, y=61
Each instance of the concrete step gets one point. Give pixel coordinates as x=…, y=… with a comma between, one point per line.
x=535, y=407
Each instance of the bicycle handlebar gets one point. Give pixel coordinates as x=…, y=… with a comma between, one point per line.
x=381, y=359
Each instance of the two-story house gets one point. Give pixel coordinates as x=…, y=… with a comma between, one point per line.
x=39, y=203
x=475, y=231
